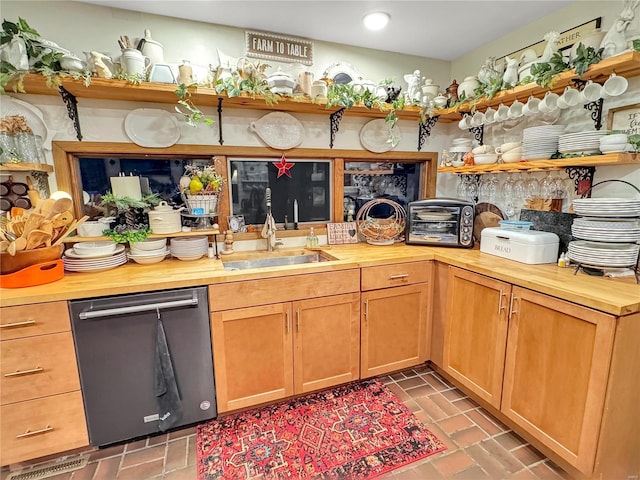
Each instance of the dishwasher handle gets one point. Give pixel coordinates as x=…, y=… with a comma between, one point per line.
x=145, y=307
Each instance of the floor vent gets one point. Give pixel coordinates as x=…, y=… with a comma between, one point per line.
x=50, y=469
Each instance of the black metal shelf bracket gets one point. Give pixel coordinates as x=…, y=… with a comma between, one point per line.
x=582, y=179
x=72, y=109
x=334, y=123
x=478, y=133
x=424, y=130
x=220, y=140
x=596, y=112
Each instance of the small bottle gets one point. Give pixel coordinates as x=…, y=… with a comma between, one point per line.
x=312, y=240
x=562, y=262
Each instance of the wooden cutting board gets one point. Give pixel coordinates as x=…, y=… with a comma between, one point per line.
x=484, y=220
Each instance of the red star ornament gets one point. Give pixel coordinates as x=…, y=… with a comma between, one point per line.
x=283, y=167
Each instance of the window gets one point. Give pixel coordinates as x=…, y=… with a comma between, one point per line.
x=309, y=184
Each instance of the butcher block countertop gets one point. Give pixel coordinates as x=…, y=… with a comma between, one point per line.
x=620, y=296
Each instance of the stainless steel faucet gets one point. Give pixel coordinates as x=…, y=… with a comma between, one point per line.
x=269, y=228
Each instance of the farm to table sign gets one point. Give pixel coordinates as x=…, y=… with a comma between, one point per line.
x=279, y=48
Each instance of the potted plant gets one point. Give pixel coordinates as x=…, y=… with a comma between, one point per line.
x=131, y=222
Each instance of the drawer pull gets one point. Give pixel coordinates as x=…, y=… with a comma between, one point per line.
x=24, y=372
x=366, y=309
x=288, y=323
x=398, y=276
x=35, y=432
x=18, y=324
x=298, y=319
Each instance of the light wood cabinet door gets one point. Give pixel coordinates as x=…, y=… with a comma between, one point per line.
x=556, y=371
x=326, y=341
x=252, y=355
x=394, y=329
x=476, y=332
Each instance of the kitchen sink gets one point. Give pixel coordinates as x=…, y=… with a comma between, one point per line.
x=276, y=261
x=266, y=260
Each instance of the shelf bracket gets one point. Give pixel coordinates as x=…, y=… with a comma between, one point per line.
x=424, y=130
x=582, y=179
x=596, y=112
x=220, y=141
x=478, y=133
x=334, y=123
x=72, y=109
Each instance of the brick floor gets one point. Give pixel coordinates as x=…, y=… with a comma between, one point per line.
x=478, y=445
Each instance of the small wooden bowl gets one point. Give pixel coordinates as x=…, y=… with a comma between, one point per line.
x=26, y=258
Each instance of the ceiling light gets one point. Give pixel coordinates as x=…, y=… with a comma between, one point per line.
x=376, y=20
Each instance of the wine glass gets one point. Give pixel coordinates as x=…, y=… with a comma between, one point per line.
x=547, y=186
x=520, y=188
x=532, y=187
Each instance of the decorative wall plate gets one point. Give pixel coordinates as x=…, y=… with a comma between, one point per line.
x=12, y=106
x=151, y=127
x=377, y=136
x=279, y=130
x=341, y=73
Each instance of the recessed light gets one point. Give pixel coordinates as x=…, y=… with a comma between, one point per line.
x=376, y=20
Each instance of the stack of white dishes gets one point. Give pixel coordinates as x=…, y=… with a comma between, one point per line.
x=580, y=142
x=92, y=256
x=607, y=207
x=614, y=230
x=461, y=145
x=540, y=142
x=599, y=254
x=613, y=143
x=189, y=248
x=151, y=250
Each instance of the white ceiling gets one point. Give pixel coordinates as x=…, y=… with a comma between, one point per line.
x=443, y=29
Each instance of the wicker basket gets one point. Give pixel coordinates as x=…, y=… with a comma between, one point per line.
x=201, y=204
x=381, y=231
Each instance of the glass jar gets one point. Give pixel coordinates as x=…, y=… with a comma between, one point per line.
x=8, y=146
x=26, y=147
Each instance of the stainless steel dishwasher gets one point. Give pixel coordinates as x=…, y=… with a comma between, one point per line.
x=145, y=362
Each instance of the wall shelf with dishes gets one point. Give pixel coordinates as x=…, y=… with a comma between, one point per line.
x=193, y=233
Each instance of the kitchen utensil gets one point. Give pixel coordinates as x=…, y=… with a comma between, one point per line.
x=70, y=230
x=60, y=205
x=33, y=194
x=35, y=238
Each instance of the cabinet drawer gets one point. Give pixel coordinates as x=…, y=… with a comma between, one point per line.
x=395, y=275
x=30, y=320
x=42, y=427
x=37, y=366
x=251, y=293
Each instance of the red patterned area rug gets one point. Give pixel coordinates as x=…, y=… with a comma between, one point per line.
x=355, y=431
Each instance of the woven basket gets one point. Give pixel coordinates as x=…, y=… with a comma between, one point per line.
x=381, y=231
x=201, y=204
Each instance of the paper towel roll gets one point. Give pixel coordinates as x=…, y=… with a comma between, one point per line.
x=126, y=187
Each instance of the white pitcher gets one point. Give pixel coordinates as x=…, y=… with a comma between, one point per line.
x=133, y=62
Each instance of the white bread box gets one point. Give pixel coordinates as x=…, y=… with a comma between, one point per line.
x=526, y=246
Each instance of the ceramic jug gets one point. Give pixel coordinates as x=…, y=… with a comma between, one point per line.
x=133, y=62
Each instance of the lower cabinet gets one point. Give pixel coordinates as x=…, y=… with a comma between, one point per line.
x=269, y=352
x=394, y=317
x=542, y=361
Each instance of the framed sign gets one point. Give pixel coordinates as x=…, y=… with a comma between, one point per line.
x=625, y=118
x=268, y=46
x=344, y=232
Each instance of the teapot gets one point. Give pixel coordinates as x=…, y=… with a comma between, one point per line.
x=430, y=89
x=150, y=48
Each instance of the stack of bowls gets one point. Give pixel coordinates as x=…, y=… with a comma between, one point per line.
x=484, y=155
x=510, y=152
x=189, y=248
x=151, y=250
x=616, y=142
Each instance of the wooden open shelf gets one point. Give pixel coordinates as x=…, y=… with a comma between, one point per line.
x=26, y=167
x=625, y=64
x=533, y=165
x=192, y=233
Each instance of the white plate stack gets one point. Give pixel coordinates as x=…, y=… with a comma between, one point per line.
x=608, y=231
x=540, y=142
x=189, y=248
x=74, y=262
x=581, y=142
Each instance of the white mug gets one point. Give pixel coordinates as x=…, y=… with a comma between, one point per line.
x=592, y=92
x=531, y=107
x=571, y=97
x=515, y=110
x=503, y=113
x=490, y=115
x=549, y=103
x=477, y=119
x=561, y=103
x=465, y=123
x=615, y=85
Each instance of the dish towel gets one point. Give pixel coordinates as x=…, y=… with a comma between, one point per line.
x=165, y=388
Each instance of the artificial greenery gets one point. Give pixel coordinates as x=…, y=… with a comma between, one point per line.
x=634, y=140
x=193, y=115
x=585, y=56
x=122, y=203
x=125, y=236
x=543, y=73
x=490, y=89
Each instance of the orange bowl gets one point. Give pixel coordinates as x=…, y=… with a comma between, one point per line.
x=26, y=258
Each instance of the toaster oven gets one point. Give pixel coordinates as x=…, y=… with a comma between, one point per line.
x=442, y=222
